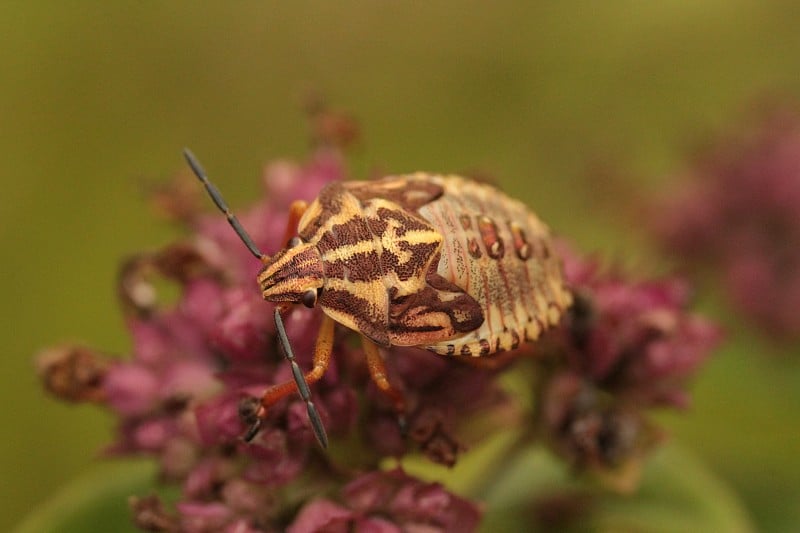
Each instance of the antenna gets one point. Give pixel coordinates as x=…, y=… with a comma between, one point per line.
x=300, y=380
x=198, y=170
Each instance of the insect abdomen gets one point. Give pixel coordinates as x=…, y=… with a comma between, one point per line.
x=500, y=254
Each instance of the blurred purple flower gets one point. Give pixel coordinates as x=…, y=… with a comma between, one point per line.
x=389, y=502
x=440, y=393
x=636, y=339
x=589, y=427
x=738, y=214
x=625, y=346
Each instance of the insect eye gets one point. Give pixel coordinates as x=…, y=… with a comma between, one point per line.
x=294, y=242
x=310, y=298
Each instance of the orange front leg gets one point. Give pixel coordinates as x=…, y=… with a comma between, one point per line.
x=296, y=210
x=377, y=370
x=254, y=414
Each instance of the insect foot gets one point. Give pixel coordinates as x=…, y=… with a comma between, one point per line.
x=249, y=413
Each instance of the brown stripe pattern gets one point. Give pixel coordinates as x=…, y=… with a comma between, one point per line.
x=290, y=273
x=376, y=255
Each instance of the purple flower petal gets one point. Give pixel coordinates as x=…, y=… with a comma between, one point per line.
x=218, y=420
x=243, y=332
x=131, y=389
x=322, y=516
x=197, y=517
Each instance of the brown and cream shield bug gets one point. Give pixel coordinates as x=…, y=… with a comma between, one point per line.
x=438, y=262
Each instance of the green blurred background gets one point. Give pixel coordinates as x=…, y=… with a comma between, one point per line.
x=97, y=96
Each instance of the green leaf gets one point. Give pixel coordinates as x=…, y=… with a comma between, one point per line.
x=95, y=501
x=678, y=493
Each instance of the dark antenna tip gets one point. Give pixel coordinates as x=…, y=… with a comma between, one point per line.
x=193, y=162
x=216, y=196
x=252, y=431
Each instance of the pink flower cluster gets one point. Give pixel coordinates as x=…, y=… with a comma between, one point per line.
x=388, y=502
x=740, y=217
x=625, y=346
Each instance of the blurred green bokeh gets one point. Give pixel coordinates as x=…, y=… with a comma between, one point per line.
x=97, y=97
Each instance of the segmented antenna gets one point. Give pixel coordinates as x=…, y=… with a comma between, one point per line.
x=198, y=170
x=299, y=378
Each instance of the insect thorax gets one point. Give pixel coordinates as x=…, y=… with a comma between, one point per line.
x=372, y=252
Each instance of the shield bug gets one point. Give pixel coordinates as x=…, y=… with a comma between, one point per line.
x=438, y=262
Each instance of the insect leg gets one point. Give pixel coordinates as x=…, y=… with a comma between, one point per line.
x=377, y=370
x=322, y=357
x=296, y=211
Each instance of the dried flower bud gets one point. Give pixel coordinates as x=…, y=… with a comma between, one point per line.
x=179, y=199
x=149, y=514
x=330, y=127
x=73, y=373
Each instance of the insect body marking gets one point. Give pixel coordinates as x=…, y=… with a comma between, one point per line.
x=379, y=262
x=290, y=273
